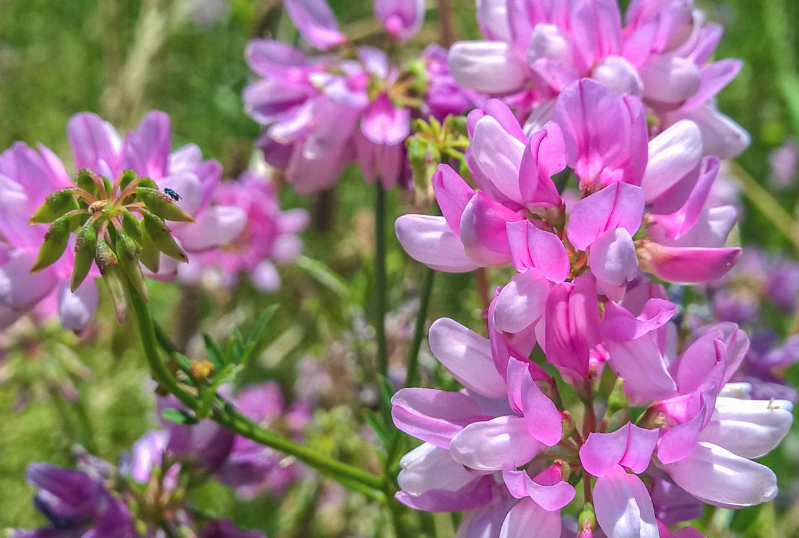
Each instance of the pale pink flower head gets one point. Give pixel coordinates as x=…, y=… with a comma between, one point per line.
x=534, y=51
x=29, y=175
x=270, y=235
x=641, y=207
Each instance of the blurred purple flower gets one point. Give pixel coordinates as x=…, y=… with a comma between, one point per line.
x=783, y=162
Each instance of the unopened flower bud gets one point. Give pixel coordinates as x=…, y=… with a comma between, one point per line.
x=162, y=205
x=114, y=279
x=56, y=205
x=128, y=255
x=202, y=369
x=132, y=226
x=162, y=238
x=617, y=399
x=586, y=521
x=85, y=249
x=54, y=245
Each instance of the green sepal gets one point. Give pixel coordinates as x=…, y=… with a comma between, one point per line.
x=162, y=205
x=128, y=177
x=161, y=237
x=85, y=181
x=56, y=205
x=54, y=245
x=85, y=249
x=128, y=256
x=147, y=183
x=149, y=254
x=132, y=226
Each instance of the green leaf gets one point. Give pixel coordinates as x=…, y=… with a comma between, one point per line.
x=214, y=353
x=789, y=84
x=322, y=274
x=178, y=416
x=376, y=423
x=261, y=323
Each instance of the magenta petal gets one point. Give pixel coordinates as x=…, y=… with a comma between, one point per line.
x=572, y=326
x=673, y=154
x=677, y=442
x=619, y=205
x=679, y=223
x=430, y=241
x=521, y=302
x=487, y=66
x=18, y=288
x=153, y=144
x=643, y=368
x=269, y=58
x=719, y=477
x=714, y=77
x=640, y=445
x=92, y=140
x=402, y=18
x=483, y=233
x=449, y=501
x=528, y=515
x=620, y=325
x=467, y=356
x=669, y=78
x=688, y=265
x=532, y=247
x=540, y=414
x=601, y=452
x=384, y=123
x=218, y=225
x=535, y=182
x=498, y=155
x=486, y=446
x=433, y=415
x=613, y=259
x=429, y=468
x=452, y=194
x=316, y=22
x=76, y=310
x=623, y=506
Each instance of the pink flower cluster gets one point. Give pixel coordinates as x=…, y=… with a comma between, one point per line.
x=28, y=175
x=223, y=216
x=322, y=113
x=587, y=257
x=533, y=50
x=270, y=236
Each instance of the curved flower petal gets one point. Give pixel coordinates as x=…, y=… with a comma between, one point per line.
x=487, y=66
x=623, y=506
x=717, y=476
x=528, y=520
x=521, y=302
x=486, y=446
x=429, y=240
x=432, y=415
x=76, y=310
x=467, y=356
x=316, y=22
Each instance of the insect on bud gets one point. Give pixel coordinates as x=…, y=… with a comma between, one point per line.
x=162, y=205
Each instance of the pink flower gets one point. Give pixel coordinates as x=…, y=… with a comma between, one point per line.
x=499, y=423
x=402, y=18
x=533, y=52
x=29, y=175
x=269, y=236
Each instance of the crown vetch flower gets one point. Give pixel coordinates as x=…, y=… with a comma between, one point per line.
x=639, y=209
x=533, y=51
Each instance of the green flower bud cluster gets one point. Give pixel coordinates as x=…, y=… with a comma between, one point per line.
x=116, y=226
x=431, y=144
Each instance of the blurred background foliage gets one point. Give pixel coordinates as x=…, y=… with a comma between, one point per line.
x=120, y=58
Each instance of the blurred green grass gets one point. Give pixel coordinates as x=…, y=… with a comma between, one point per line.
x=61, y=57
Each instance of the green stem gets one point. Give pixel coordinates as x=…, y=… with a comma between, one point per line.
x=352, y=477
x=418, y=331
x=380, y=279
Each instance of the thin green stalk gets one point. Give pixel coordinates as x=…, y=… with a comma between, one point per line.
x=765, y=202
x=231, y=419
x=380, y=279
x=418, y=331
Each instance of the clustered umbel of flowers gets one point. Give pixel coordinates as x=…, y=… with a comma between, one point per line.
x=596, y=203
x=351, y=104
x=147, y=492
x=124, y=190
